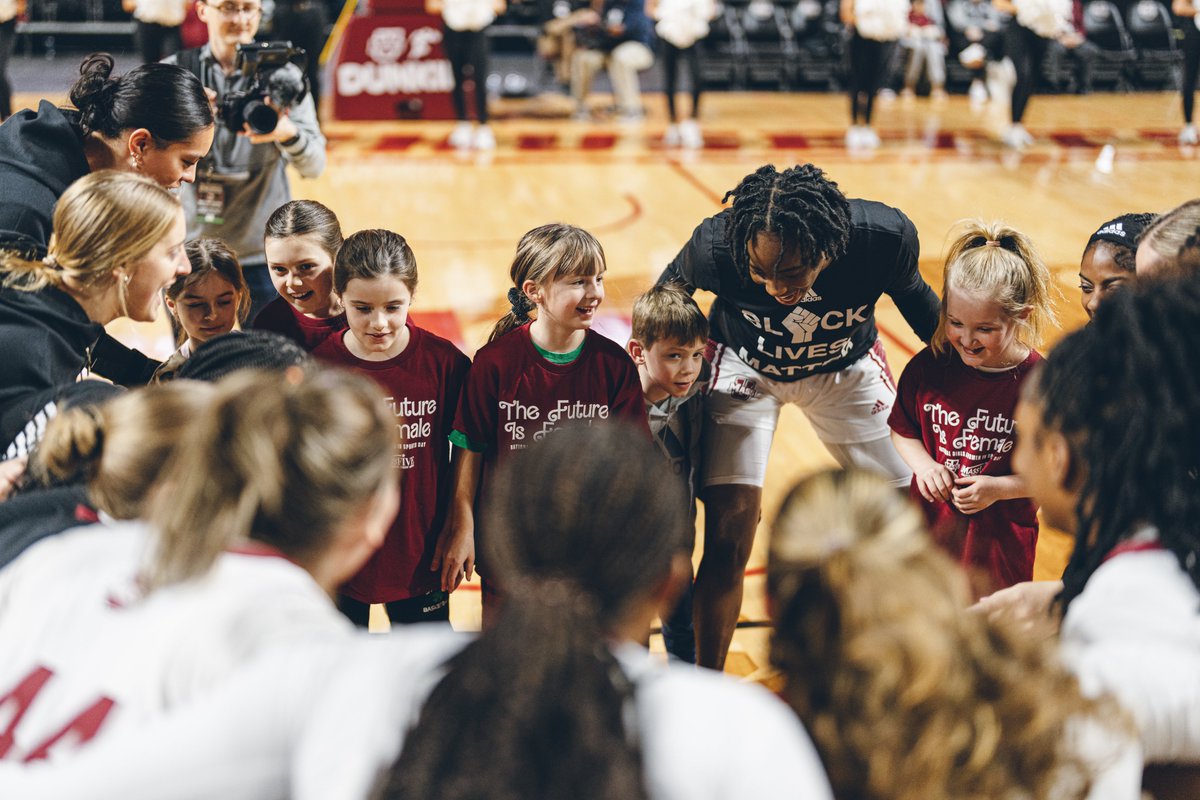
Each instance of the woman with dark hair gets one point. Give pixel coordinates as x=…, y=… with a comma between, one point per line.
x=1109, y=443
x=155, y=120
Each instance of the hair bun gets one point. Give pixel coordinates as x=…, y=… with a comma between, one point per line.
x=93, y=93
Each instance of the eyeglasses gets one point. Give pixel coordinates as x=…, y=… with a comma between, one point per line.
x=231, y=10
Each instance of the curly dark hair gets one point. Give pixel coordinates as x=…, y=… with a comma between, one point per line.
x=1125, y=393
x=801, y=206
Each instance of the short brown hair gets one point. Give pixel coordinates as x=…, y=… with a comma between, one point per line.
x=667, y=312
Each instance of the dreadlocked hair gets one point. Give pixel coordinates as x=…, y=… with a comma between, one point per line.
x=907, y=696
x=1125, y=394
x=800, y=206
x=538, y=706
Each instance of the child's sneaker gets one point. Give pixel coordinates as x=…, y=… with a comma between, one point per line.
x=672, y=137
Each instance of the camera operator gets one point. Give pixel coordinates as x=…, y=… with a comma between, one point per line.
x=243, y=179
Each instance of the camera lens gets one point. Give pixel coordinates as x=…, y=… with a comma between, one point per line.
x=260, y=117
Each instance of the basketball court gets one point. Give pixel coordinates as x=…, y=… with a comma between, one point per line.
x=1096, y=156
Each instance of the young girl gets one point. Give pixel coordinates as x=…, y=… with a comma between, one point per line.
x=422, y=374
x=465, y=43
x=953, y=418
x=302, y=240
x=207, y=302
x=276, y=493
x=533, y=376
x=906, y=696
x=1109, y=258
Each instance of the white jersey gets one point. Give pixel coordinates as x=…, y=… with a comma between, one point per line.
x=81, y=650
x=1047, y=18
x=881, y=20
x=170, y=13
x=1134, y=632
x=329, y=729
x=468, y=15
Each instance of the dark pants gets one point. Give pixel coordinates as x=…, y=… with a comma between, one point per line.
x=156, y=42
x=671, y=57
x=869, y=62
x=1027, y=51
x=432, y=607
x=8, y=37
x=467, y=50
x=303, y=24
x=1191, y=66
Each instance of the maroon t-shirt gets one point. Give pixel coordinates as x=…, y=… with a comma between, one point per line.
x=278, y=316
x=964, y=417
x=513, y=396
x=423, y=385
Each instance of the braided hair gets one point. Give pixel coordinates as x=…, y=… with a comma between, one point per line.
x=538, y=706
x=1125, y=394
x=803, y=208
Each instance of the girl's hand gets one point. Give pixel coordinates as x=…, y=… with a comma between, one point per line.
x=936, y=483
x=974, y=493
x=10, y=476
x=454, y=555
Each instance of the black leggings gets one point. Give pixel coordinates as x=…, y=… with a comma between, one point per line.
x=869, y=61
x=8, y=37
x=1027, y=51
x=671, y=56
x=468, y=49
x=1191, y=66
x=156, y=42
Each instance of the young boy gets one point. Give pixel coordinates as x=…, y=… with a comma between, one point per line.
x=670, y=335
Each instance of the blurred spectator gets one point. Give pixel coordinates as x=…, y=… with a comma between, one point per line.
x=619, y=36
x=926, y=46
x=158, y=24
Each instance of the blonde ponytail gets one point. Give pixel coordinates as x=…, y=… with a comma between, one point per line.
x=993, y=260
x=282, y=461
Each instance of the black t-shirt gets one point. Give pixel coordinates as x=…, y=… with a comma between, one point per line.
x=834, y=324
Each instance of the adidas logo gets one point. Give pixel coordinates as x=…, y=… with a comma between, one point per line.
x=810, y=297
x=1116, y=229
x=879, y=406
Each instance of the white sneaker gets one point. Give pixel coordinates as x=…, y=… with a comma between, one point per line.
x=690, y=136
x=1189, y=135
x=870, y=139
x=672, y=137
x=484, y=138
x=978, y=93
x=460, y=137
x=1017, y=137
x=853, y=137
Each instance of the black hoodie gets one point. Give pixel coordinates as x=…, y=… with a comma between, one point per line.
x=44, y=341
x=41, y=154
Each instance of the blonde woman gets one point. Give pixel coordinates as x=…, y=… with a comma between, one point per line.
x=275, y=494
x=905, y=694
x=117, y=243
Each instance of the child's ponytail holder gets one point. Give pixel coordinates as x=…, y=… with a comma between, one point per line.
x=992, y=243
x=521, y=305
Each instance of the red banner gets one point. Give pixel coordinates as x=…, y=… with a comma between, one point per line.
x=392, y=67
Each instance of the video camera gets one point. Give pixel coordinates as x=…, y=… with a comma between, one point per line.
x=276, y=71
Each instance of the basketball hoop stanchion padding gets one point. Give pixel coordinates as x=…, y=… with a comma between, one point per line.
x=390, y=65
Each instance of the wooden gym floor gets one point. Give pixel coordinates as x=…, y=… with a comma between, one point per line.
x=940, y=162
